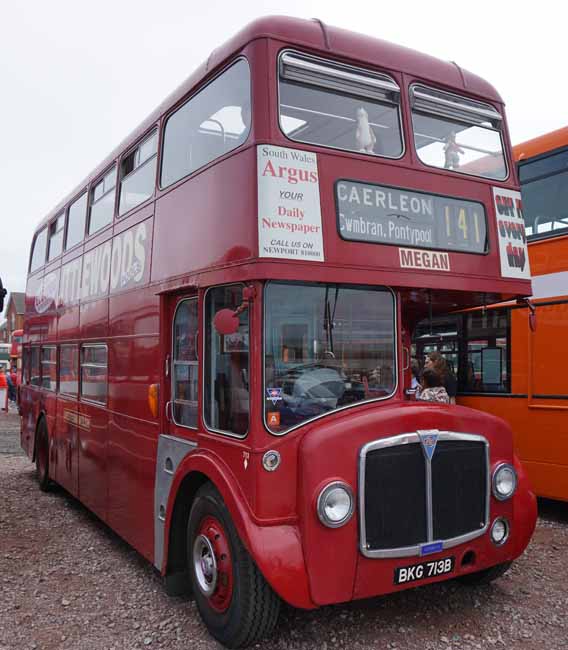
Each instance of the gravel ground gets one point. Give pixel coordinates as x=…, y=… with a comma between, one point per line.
x=68, y=582
x=10, y=432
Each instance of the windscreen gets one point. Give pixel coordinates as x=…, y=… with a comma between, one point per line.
x=327, y=346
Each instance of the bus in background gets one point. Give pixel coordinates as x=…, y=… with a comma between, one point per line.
x=511, y=357
x=16, y=354
x=5, y=349
x=218, y=323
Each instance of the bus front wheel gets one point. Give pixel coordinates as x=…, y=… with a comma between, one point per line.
x=42, y=457
x=234, y=600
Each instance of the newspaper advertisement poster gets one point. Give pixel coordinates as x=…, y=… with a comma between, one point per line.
x=289, y=210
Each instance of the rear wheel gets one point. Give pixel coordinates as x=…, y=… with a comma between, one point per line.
x=486, y=576
x=42, y=457
x=235, y=602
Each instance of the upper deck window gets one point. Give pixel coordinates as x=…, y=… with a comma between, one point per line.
x=544, y=188
x=38, y=255
x=453, y=132
x=56, y=229
x=102, y=201
x=335, y=105
x=213, y=122
x=138, y=173
x=76, y=221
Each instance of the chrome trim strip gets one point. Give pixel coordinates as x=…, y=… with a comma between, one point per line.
x=171, y=451
x=414, y=550
x=481, y=111
x=429, y=506
x=349, y=73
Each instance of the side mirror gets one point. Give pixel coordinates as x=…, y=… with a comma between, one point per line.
x=3, y=293
x=226, y=321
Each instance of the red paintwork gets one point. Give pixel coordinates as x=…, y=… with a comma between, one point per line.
x=203, y=231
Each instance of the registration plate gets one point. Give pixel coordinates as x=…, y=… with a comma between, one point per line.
x=424, y=570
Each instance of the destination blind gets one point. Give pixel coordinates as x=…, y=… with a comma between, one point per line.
x=389, y=215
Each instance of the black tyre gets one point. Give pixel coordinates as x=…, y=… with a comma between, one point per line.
x=42, y=457
x=235, y=602
x=486, y=576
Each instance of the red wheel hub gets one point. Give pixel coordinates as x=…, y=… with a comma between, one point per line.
x=213, y=564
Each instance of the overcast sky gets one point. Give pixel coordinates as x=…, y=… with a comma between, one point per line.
x=77, y=76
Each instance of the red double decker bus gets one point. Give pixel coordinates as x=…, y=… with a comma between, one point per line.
x=16, y=354
x=219, y=319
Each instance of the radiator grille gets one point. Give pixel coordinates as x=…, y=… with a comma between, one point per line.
x=408, y=501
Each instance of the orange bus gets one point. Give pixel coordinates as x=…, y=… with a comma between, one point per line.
x=509, y=358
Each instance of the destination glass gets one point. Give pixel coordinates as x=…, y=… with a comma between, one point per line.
x=388, y=215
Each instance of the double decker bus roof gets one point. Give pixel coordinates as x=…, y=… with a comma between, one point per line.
x=542, y=144
x=318, y=37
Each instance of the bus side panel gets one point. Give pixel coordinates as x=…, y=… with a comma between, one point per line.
x=93, y=439
x=49, y=400
x=93, y=416
x=207, y=220
x=28, y=420
x=68, y=324
x=549, y=356
x=540, y=439
x=66, y=441
x=134, y=364
x=132, y=454
x=519, y=351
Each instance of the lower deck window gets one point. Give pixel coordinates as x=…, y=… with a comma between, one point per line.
x=326, y=347
x=69, y=369
x=49, y=367
x=35, y=374
x=94, y=373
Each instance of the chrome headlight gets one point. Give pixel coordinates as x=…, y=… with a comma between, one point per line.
x=504, y=482
x=335, y=504
x=500, y=531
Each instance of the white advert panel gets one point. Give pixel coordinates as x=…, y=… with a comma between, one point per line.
x=289, y=210
x=511, y=233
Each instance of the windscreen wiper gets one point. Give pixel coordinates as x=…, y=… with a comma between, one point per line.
x=329, y=317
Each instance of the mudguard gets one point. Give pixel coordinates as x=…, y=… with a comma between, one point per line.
x=275, y=548
x=524, y=510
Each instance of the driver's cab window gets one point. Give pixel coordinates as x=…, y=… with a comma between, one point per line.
x=326, y=347
x=226, y=382
x=185, y=364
